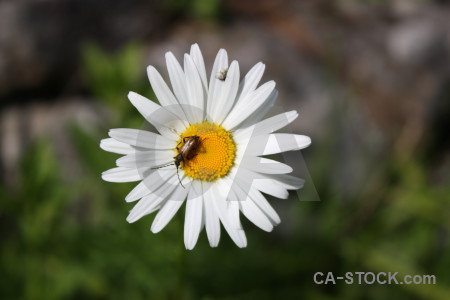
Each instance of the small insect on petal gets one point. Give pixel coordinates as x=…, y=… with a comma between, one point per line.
x=222, y=74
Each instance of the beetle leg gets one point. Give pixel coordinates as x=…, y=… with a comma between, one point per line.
x=180, y=179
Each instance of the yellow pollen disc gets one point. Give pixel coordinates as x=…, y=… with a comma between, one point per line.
x=214, y=156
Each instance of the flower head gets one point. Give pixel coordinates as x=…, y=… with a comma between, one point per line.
x=207, y=151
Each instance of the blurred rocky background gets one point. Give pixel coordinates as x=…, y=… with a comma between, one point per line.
x=370, y=79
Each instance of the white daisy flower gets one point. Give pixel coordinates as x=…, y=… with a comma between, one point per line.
x=208, y=150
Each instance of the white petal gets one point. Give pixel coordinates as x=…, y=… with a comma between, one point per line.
x=151, y=183
x=270, y=187
x=145, y=206
x=223, y=187
x=145, y=106
x=150, y=159
x=142, y=138
x=261, y=112
x=164, y=121
x=247, y=179
x=193, y=218
x=287, y=181
x=254, y=214
x=197, y=57
x=165, y=95
x=282, y=142
x=139, y=191
x=266, y=126
x=194, y=89
x=112, y=145
x=211, y=218
x=165, y=214
x=225, y=94
x=169, y=124
x=151, y=202
x=264, y=165
x=162, y=91
x=251, y=80
x=169, y=209
x=242, y=238
x=233, y=209
x=177, y=78
x=248, y=105
x=250, y=210
x=274, y=143
x=123, y=175
x=265, y=206
x=220, y=63
x=220, y=204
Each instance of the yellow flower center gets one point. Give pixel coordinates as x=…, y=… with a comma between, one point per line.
x=211, y=156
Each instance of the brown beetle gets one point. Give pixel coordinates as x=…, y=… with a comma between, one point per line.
x=186, y=152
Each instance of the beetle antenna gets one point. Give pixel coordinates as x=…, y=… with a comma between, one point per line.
x=180, y=179
x=159, y=167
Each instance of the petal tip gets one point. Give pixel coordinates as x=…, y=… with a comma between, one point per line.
x=155, y=229
x=150, y=68
x=307, y=141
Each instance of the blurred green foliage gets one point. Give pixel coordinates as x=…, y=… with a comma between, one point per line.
x=111, y=76
x=65, y=237
x=206, y=11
